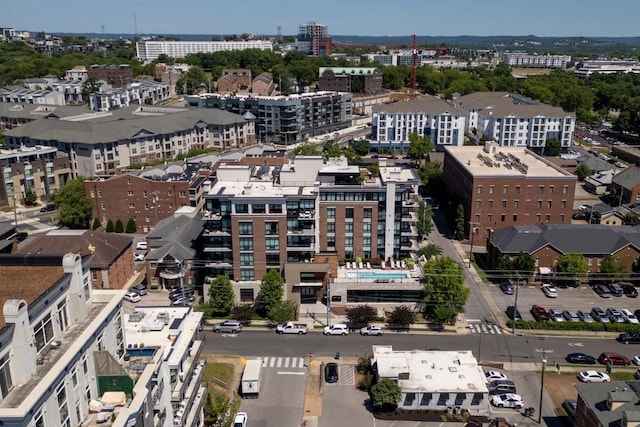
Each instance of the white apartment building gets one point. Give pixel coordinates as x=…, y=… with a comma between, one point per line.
x=68, y=358
x=144, y=92
x=587, y=68
x=525, y=60
x=79, y=72
x=393, y=123
x=515, y=121
x=148, y=50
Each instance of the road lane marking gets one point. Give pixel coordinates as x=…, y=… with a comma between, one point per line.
x=291, y=373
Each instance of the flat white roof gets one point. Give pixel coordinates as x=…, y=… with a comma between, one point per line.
x=504, y=162
x=431, y=371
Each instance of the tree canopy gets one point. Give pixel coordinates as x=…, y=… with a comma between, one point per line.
x=419, y=147
x=571, y=268
x=361, y=315
x=445, y=292
x=385, y=395
x=74, y=207
x=221, y=296
x=271, y=292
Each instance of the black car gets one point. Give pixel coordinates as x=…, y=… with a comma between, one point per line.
x=581, y=358
x=615, y=289
x=629, y=337
x=629, y=290
x=331, y=373
x=506, y=288
x=513, y=313
x=602, y=290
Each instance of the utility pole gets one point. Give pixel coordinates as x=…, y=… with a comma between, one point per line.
x=15, y=208
x=515, y=304
x=544, y=365
x=328, y=295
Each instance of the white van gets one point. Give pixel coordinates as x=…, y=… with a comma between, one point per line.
x=337, y=329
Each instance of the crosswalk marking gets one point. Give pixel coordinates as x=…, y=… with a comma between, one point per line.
x=483, y=328
x=283, y=362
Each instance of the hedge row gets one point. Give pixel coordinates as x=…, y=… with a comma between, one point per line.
x=574, y=326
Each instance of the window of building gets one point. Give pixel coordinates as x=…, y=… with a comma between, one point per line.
x=479, y=189
x=258, y=208
x=246, y=243
x=246, y=259
x=565, y=189
x=245, y=228
x=272, y=259
x=43, y=332
x=477, y=398
x=275, y=208
x=537, y=218
x=503, y=217
x=6, y=382
x=517, y=189
x=442, y=399
x=183, y=194
x=242, y=208
x=516, y=203
x=331, y=227
x=551, y=189
x=331, y=241
x=460, y=398
x=547, y=218
x=490, y=203
x=479, y=204
x=491, y=188
x=539, y=203
x=331, y=212
x=409, y=398
x=505, y=189
x=74, y=377
x=272, y=244
x=563, y=204
x=38, y=418
x=247, y=274
x=85, y=366
x=63, y=319
x=561, y=217
x=366, y=227
x=348, y=241
x=549, y=203
x=271, y=228
x=489, y=217
x=426, y=399
x=246, y=295
x=348, y=213
x=515, y=217
x=541, y=189
x=367, y=213
x=348, y=227
x=63, y=408
x=477, y=218
x=504, y=203
x=129, y=193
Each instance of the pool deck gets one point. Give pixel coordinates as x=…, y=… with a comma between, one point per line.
x=410, y=274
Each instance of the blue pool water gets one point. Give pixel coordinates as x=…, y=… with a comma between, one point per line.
x=375, y=275
x=141, y=352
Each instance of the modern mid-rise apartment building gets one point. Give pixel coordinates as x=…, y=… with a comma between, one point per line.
x=515, y=121
x=314, y=39
x=391, y=124
x=69, y=357
x=285, y=120
x=525, y=60
x=261, y=219
x=149, y=50
x=503, y=186
x=100, y=144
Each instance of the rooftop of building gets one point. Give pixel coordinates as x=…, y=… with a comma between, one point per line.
x=295, y=96
x=495, y=161
x=612, y=401
x=430, y=371
x=349, y=70
x=424, y=104
x=174, y=237
x=17, y=153
x=503, y=104
x=105, y=247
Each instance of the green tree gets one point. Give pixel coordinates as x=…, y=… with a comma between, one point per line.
x=89, y=86
x=552, y=147
x=431, y=176
x=583, y=171
x=419, y=147
x=283, y=311
x=571, y=268
x=30, y=198
x=361, y=315
x=631, y=218
x=524, y=263
x=459, y=222
x=110, y=227
x=131, y=226
x=307, y=149
x=96, y=224
x=445, y=292
x=385, y=395
x=611, y=267
x=362, y=147
x=271, y=292
x=74, y=207
x=221, y=296
x=119, y=227
x=504, y=264
x=430, y=250
x=402, y=316
x=425, y=215
x=243, y=313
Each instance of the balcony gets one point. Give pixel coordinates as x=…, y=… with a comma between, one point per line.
x=412, y=230
x=215, y=232
x=408, y=245
x=309, y=231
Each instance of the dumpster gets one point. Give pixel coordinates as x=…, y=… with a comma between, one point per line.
x=528, y=412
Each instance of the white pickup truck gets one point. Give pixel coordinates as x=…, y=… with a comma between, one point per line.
x=291, y=328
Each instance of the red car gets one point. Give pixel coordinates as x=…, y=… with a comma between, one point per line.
x=614, y=358
x=539, y=313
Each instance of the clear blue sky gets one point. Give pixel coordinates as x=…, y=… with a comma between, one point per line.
x=343, y=17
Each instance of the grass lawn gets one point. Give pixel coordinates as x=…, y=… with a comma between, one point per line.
x=219, y=371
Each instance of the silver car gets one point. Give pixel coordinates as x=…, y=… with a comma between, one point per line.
x=228, y=326
x=555, y=315
x=585, y=316
x=571, y=316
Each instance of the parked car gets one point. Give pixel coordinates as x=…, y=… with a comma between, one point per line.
x=506, y=288
x=132, y=297
x=615, y=316
x=581, y=358
x=632, y=337
x=181, y=292
x=614, y=358
x=539, y=313
x=636, y=360
x=181, y=301
x=615, y=289
x=569, y=407
x=629, y=317
x=331, y=373
x=555, y=315
x=549, y=291
x=140, y=289
x=636, y=374
x=602, y=290
x=240, y=420
x=337, y=329
x=599, y=315
x=371, y=330
x=49, y=207
x=138, y=257
x=141, y=246
x=629, y=290
x=509, y=400
x=513, y=313
x=232, y=326
x=593, y=377
x=571, y=316
x=585, y=316
x=501, y=387
x=495, y=376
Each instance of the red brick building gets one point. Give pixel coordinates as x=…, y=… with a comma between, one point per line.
x=112, y=254
x=115, y=75
x=503, y=186
x=362, y=80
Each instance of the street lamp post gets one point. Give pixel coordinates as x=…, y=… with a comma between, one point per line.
x=544, y=365
x=473, y=232
x=515, y=304
x=328, y=295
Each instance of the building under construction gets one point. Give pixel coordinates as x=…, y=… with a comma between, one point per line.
x=314, y=39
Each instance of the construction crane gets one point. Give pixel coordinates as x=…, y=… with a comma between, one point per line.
x=414, y=66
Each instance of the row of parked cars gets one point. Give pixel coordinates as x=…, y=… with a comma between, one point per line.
x=596, y=314
x=616, y=290
x=503, y=391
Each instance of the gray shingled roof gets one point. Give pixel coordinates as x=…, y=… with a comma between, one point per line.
x=587, y=239
x=424, y=104
x=502, y=104
x=175, y=237
x=628, y=178
x=595, y=397
x=95, y=132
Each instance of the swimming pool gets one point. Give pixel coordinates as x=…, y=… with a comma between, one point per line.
x=141, y=352
x=376, y=275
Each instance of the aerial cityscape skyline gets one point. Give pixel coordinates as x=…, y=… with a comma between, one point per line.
x=463, y=17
